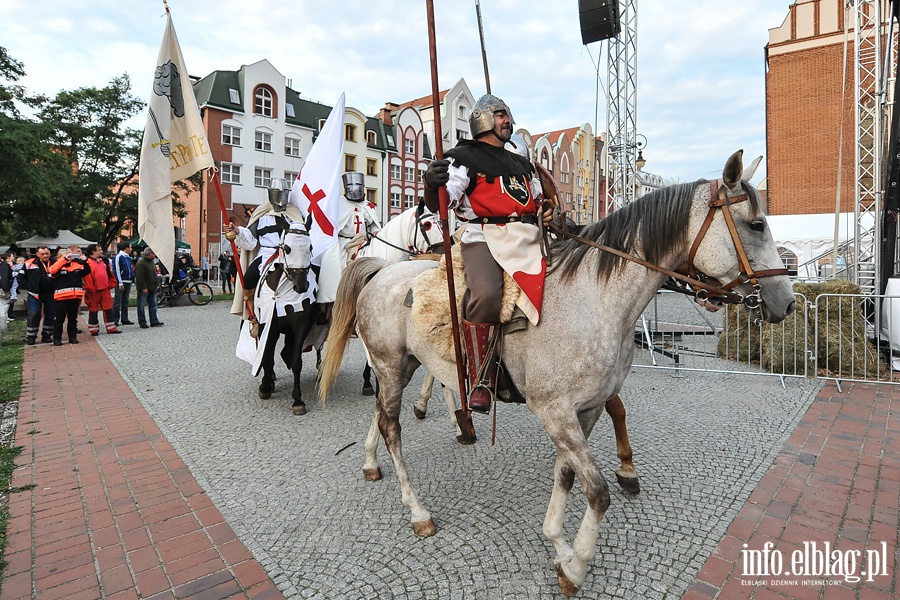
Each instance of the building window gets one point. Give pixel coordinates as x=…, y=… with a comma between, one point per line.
x=461, y=135
x=350, y=133
x=231, y=135
x=545, y=158
x=371, y=138
x=231, y=173
x=292, y=147
x=234, y=96
x=395, y=171
x=290, y=176
x=371, y=167
x=262, y=177
x=289, y=109
x=349, y=163
x=410, y=200
x=409, y=174
x=462, y=112
x=263, y=141
x=321, y=124
x=371, y=196
x=263, y=102
x=409, y=146
x=395, y=199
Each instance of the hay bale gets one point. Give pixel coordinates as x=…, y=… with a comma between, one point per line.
x=843, y=339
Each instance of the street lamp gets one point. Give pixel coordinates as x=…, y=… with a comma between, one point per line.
x=622, y=168
x=640, y=162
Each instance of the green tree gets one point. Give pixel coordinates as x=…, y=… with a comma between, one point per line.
x=34, y=179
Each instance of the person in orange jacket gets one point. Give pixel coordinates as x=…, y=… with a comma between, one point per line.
x=97, y=288
x=68, y=274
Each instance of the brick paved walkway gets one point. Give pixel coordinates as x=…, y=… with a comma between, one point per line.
x=836, y=481
x=114, y=512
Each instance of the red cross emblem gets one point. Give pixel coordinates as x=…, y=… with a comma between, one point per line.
x=357, y=222
x=318, y=214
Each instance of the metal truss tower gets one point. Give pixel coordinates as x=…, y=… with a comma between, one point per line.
x=621, y=109
x=869, y=148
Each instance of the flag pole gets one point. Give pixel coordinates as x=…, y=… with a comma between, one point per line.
x=215, y=179
x=487, y=75
x=463, y=416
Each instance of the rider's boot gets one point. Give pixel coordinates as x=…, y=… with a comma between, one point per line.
x=481, y=339
x=251, y=309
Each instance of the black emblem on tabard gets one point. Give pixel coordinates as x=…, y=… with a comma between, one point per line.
x=517, y=188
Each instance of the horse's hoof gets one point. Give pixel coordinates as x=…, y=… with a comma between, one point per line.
x=465, y=440
x=298, y=409
x=565, y=584
x=632, y=485
x=372, y=474
x=420, y=414
x=424, y=528
x=264, y=395
x=368, y=390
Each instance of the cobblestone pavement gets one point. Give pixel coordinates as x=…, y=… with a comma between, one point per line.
x=293, y=490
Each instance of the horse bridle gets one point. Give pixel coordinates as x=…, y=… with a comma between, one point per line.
x=688, y=272
x=420, y=228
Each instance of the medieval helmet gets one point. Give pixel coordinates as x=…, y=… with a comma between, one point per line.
x=481, y=118
x=279, y=192
x=354, y=186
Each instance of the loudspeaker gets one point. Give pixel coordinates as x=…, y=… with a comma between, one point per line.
x=599, y=20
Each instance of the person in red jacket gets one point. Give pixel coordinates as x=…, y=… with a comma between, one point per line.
x=68, y=273
x=97, y=288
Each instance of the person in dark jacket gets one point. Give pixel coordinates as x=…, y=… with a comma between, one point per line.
x=40, y=297
x=68, y=274
x=6, y=280
x=146, y=280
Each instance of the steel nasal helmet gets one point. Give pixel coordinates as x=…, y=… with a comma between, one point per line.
x=481, y=118
x=354, y=186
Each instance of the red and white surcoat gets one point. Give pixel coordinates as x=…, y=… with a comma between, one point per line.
x=515, y=245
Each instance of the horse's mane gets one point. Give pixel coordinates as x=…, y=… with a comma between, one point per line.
x=656, y=223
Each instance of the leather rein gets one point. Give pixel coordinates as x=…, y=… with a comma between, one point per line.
x=688, y=273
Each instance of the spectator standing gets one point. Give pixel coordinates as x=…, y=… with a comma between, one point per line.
x=6, y=280
x=204, y=267
x=68, y=274
x=146, y=280
x=96, y=291
x=225, y=273
x=40, y=297
x=123, y=271
x=18, y=281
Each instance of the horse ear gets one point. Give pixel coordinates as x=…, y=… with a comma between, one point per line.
x=733, y=169
x=750, y=171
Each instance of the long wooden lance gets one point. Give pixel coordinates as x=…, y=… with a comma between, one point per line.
x=487, y=76
x=463, y=416
x=214, y=175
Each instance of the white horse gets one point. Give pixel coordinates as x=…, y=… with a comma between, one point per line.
x=576, y=359
x=414, y=232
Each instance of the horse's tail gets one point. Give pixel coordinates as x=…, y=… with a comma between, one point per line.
x=343, y=318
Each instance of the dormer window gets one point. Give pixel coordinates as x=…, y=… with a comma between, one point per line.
x=289, y=109
x=234, y=96
x=264, y=102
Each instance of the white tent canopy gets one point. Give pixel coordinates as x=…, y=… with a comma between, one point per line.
x=809, y=236
x=63, y=239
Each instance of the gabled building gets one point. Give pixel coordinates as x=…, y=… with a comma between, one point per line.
x=258, y=128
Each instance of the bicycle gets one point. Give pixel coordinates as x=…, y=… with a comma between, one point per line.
x=198, y=292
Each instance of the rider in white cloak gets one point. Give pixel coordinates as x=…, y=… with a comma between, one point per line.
x=259, y=240
x=359, y=222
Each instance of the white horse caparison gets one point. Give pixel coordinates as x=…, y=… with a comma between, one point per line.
x=592, y=300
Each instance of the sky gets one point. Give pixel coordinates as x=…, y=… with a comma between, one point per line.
x=701, y=72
